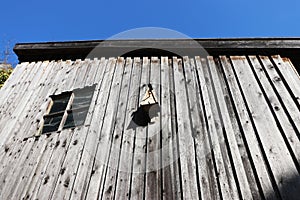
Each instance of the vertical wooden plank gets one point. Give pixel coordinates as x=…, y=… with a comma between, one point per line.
x=246, y=160
x=15, y=88
x=11, y=83
x=169, y=177
x=53, y=141
x=61, y=77
x=251, y=141
x=221, y=188
x=69, y=77
x=227, y=183
x=46, y=145
x=15, y=103
x=41, y=105
x=175, y=167
x=123, y=181
x=10, y=142
x=54, y=164
x=74, y=154
x=8, y=171
x=95, y=77
x=100, y=99
x=36, y=115
x=199, y=130
x=139, y=160
x=288, y=72
x=275, y=148
x=107, y=188
x=16, y=73
x=186, y=153
x=94, y=69
x=25, y=83
x=35, y=85
x=107, y=191
x=21, y=114
x=24, y=170
x=287, y=104
x=98, y=149
x=205, y=152
x=153, y=158
x=82, y=74
x=58, y=155
x=230, y=131
x=26, y=126
x=283, y=92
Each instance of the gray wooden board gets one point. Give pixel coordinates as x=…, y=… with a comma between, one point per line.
x=287, y=101
x=220, y=158
x=85, y=166
x=29, y=81
x=12, y=139
x=14, y=99
x=230, y=129
x=278, y=108
x=153, y=158
x=11, y=83
x=110, y=116
x=39, y=109
x=139, y=160
x=123, y=180
x=99, y=151
x=43, y=100
x=71, y=161
x=275, y=148
x=39, y=168
x=14, y=159
x=226, y=128
x=199, y=129
x=289, y=74
x=167, y=141
x=14, y=88
x=107, y=188
x=57, y=156
x=249, y=133
x=175, y=167
x=26, y=105
x=22, y=126
x=53, y=165
x=186, y=143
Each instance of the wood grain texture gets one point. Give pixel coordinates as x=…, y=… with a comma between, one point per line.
x=226, y=128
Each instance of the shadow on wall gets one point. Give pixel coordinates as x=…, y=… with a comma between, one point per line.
x=288, y=189
x=143, y=115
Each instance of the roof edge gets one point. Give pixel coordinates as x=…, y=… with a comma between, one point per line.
x=80, y=49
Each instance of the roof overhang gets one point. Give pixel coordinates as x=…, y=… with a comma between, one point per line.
x=287, y=47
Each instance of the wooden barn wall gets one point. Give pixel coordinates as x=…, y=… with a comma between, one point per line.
x=228, y=128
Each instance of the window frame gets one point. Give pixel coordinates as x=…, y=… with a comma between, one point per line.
x=67, y=111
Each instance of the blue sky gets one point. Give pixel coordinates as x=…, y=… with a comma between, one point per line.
x=37, y=20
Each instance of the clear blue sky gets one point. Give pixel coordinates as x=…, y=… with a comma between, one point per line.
x=64, y=20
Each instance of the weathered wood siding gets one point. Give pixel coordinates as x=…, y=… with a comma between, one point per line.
x=228, y=128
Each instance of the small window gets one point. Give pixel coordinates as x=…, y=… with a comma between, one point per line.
x=68, y=109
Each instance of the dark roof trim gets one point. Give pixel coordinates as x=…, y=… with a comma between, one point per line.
x=157, y=47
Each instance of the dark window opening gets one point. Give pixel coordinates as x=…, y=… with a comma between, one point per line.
x=60, y=102
x=68, y=110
